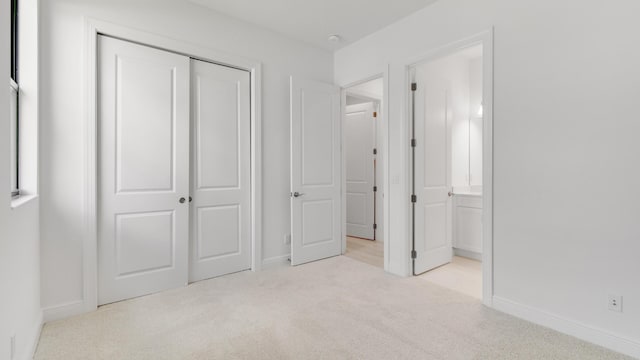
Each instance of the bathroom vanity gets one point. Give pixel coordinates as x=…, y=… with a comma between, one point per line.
x=467, y=224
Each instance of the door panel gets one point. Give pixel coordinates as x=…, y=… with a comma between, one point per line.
x=315, y=171
x=217, y=121
x=360, y=141
x=144, y=92
x=221, y=208
x=224, y=222
x=142, y=228
x=144, y=233
x=433, y=227
x=317, y=138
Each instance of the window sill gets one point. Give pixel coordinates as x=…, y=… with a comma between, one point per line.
x=21, y=200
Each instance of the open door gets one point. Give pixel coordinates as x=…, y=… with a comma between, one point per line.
x=432, y=170
x=360, y=134
x=315, y=171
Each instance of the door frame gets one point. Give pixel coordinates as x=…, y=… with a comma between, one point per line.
x=382, y=148
x=485, y=39
x=93, y=28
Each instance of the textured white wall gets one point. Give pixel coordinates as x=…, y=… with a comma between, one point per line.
x=475, y=128
x=566, y=88
x=63, y=42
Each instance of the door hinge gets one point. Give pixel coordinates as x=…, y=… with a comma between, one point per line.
x=414, y=198
x=375, y=114
x=414, y=143
x=375, y=226
x=375, y=188
x=414, y=87
x=375, y=151
x=414, y=254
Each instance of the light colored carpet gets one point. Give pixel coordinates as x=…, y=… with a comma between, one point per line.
x=367, y=251
x=337, y=308
x=461, y=275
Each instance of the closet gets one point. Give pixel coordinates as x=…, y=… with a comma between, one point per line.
x=173, y=170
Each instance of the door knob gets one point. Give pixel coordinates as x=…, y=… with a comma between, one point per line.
x=190, y=199
x=182, y=200
x=297, y=194
x=450, y=193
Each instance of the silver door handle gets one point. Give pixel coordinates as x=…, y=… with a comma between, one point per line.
x=297, y=194
x=182, y=200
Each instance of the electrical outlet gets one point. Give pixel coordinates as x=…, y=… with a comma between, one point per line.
x=13, y=347
x=395, y=179
x=615, y=303
x=287, y=239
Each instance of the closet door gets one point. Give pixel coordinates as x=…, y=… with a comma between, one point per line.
x=220, y=180
x=143, y=156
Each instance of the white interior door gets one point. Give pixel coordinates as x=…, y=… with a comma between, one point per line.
x=315, y=171
x=360, y=142
x=432, y=171
x=220, y=180
x=143, y=170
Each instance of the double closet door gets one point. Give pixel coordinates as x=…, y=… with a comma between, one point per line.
x=174, y=197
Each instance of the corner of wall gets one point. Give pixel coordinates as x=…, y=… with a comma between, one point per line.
x=62, y=311
x=567, y=326
x=33, y=337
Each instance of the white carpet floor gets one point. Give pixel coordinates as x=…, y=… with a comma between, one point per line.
x=337, y=308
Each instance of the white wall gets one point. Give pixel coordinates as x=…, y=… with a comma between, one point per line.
x=20, y=313
x=566, y=87
x=62, y=84
x=351, y=100
x=475, y=124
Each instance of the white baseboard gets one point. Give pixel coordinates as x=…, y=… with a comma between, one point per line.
x=62, y=311
x=468, y=254
x=276, y=261
x=33, y=338
x=570, y=327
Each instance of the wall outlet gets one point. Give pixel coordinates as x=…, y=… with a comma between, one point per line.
x=12, y=346
x=395, y=179
x=287, y=239
x=615, y=303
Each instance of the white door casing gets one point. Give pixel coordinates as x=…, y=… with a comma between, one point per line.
x=360, y=142
x=433, y=208
x=221, y=171
x=143, y=157
x=315, y=171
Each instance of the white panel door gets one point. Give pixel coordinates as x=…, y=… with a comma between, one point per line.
x=220, y=180
x=315, y=171
x=360, y=142
x=143, y=227
x=433, y=209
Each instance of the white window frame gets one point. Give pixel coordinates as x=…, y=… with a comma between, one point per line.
x=14, y=90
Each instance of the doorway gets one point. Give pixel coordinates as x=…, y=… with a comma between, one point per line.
x=447, y=127
x=363, y=166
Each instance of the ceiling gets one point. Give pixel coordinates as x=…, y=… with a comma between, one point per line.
x=312, y=21
x=372, y=89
